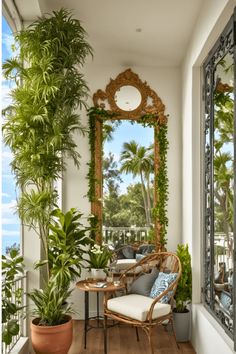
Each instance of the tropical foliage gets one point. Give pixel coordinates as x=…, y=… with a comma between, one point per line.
x=51, y=306
x=125, y=209
x=183, y=295
x=139, y=160
x=223, y=161
x=67, y=240
x=12, y=306
x=99, y=256
x=41, y=122
x=40, y=128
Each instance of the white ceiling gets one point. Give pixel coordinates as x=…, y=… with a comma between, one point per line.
x=111, y=25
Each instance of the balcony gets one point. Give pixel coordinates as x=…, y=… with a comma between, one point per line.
x=165, y=42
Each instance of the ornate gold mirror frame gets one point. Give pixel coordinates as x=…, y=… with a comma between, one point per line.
x=152, y=109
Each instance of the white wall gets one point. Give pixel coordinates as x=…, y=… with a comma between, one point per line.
x=210, y=337
x=166, y=82
x=212, y=19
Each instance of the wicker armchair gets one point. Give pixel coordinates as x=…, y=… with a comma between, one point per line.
x=144, y=311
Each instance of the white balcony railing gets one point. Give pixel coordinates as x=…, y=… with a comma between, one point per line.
x=125, y=235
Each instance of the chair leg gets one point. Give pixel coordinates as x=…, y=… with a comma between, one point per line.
x=149, y=333
x=137, y=335
x=105, y=333
x=173, y=330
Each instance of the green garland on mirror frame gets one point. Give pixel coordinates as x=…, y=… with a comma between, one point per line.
x=159, y=212
x=91, y=171
x=162, y=182
x=93, y=113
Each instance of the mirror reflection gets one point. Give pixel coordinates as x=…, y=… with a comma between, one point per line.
x=128, y=98
x=223, y=188
x=128, y=177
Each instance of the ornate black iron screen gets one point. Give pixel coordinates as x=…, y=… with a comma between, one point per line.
x=219, y=290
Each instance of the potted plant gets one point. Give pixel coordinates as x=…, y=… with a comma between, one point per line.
x=39, y=128
x=183, y=295
x=67, y=243
x=99, y=257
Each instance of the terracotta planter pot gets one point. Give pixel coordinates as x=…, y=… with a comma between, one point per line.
x=51, y=339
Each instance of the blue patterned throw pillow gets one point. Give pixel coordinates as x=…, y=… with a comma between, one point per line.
x=161, y=283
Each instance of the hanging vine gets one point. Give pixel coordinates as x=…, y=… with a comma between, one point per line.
x=162, y=183
x=159, y=211
x=91, y=171
x=93, y=114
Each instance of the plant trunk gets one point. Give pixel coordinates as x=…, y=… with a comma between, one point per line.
x=144, y=198
x=149, y=199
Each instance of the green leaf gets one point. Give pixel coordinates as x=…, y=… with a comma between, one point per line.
x=6, y=337
x=13, y=327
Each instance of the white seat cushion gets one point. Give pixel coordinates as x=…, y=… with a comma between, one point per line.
x=137, y=307
x=122, y=264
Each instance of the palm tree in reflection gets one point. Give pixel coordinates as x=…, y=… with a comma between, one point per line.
x=138, y=160
x=223, y=161
x=223, y=191
x=111, y=172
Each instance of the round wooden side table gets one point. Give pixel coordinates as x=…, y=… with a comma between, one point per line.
x=96, y=287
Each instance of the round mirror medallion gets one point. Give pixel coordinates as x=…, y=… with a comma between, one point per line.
x=128, y=98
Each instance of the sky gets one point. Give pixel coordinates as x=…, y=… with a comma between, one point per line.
x=126, y=132
x=10, y=221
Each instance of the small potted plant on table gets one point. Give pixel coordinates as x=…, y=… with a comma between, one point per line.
x=99, y=257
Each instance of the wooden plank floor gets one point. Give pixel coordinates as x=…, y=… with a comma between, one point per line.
x=122, y=340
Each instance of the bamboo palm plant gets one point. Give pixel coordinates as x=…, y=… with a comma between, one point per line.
x=40, y=124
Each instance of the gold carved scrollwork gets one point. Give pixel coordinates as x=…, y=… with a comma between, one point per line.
x=128, y=77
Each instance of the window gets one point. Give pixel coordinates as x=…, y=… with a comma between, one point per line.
x=10, y=220
x=219, y=181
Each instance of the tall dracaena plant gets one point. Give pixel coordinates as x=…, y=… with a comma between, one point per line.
x=40, y=123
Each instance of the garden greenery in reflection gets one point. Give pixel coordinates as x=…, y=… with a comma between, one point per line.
x=132, y=207
x=223, y=161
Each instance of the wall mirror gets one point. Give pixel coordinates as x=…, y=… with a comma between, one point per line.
x=219, y=291
x=128, y=202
